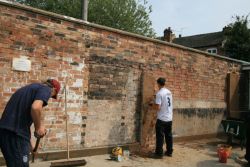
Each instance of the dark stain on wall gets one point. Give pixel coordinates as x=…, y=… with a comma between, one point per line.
x=210, y=113
x=114, y=61
x=108, y=77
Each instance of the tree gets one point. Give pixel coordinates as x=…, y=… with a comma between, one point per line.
x=127, y=15
x=66, y=7
x=237, y=37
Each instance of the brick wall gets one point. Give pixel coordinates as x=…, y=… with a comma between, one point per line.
x=106, y=89
x=54, y=52
x=114, y=92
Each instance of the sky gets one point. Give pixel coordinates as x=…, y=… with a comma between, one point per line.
x=191, y=17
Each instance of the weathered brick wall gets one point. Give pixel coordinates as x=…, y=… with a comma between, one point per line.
x=104, y=69
x=114, y=89
x=54, y=52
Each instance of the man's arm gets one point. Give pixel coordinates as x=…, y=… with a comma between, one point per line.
x=32, y=144
x=153, y=104
x=36, y=114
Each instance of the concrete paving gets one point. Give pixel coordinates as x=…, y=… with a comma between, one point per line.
x=201, y=153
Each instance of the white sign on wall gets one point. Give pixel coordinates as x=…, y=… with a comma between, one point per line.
x=21, y=64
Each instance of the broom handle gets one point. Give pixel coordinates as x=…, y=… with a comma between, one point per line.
x=66, y=113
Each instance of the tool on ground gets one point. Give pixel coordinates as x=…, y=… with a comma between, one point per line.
x=68, y=162
x=38, y=138
x=116, y=154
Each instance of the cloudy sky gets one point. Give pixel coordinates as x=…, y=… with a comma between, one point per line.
x=190, y=17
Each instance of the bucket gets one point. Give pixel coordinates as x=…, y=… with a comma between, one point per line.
x=224, y=151
x=225, y=147
x=223, y=155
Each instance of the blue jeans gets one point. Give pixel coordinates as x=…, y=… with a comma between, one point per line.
x=15, y=149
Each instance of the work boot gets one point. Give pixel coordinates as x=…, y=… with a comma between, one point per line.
x=156, y=156
x=168, y=154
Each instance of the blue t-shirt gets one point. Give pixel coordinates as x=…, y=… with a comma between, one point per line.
x=17, y=113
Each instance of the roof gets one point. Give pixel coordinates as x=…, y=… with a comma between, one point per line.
x=246, y=67
x=202, y=40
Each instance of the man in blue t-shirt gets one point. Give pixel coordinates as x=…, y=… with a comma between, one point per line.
x=23, y=109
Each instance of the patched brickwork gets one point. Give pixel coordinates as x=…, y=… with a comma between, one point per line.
x=104, y=68
x=107, y=79
x=114, y=98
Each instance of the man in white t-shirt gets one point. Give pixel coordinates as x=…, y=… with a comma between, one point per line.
x=164, y=105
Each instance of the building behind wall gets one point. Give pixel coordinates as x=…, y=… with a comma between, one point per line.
x=110, y=76
x=210, y=42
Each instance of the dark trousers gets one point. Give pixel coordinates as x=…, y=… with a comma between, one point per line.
x=15, y=149
x=247, y=156
x=163, y=129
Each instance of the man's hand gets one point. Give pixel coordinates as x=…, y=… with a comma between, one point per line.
x=151, y=103
x=39, y=133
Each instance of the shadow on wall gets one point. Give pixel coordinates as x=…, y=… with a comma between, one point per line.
x=212, y=163
x=220, y=128
x=126, y=130
x=139, y=105
x=148, y=131
x=118, y=134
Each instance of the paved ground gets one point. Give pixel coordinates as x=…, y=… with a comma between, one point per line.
x=192, y=154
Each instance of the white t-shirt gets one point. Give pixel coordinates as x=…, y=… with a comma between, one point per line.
x=164, y=99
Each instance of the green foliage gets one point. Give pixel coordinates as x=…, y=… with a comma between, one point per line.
x=66, y=7
x=127, y=15
x=237, y=35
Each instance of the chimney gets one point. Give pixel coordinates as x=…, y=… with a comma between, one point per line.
x=168, y=35
x=180, y=36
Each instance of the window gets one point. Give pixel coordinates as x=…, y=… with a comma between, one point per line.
x=212, y=50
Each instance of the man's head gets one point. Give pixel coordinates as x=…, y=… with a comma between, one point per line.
x=55, y=85
x=161, y=82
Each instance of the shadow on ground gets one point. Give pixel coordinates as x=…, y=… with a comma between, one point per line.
x=212, y=163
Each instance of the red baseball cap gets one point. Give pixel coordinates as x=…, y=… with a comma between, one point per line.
x=56, y=85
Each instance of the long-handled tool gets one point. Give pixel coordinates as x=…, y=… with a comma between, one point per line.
x=68, y=162
x=48, y=132
x=38, y=138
